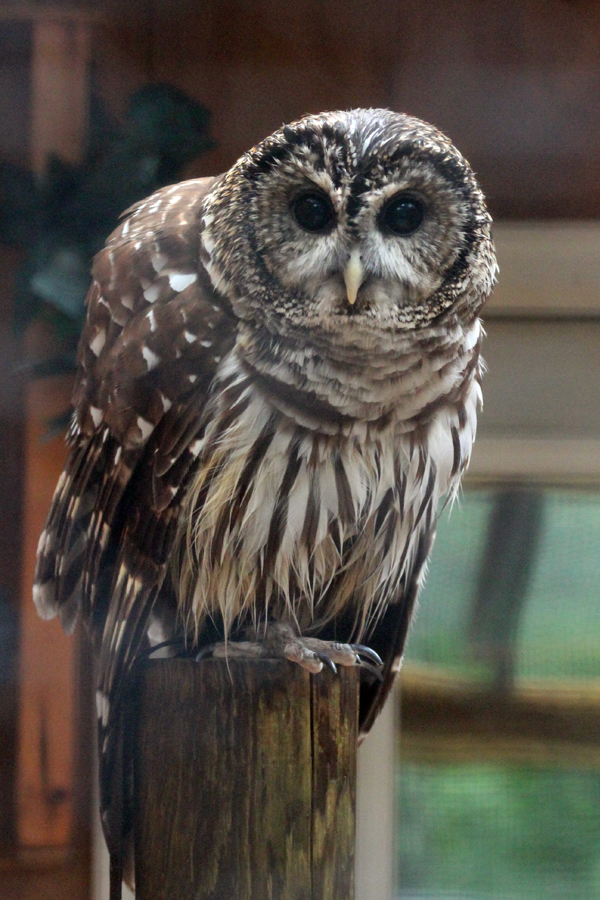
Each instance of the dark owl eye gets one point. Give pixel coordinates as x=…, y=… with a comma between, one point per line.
x=313, y=211
x=402, y=215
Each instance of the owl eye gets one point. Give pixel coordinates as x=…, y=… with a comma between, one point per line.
x=313, y=211
x=402, y=215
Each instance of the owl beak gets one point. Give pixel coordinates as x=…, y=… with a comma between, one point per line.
x=354, y=275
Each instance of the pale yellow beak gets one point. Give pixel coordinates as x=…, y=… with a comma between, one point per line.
x=354, y=275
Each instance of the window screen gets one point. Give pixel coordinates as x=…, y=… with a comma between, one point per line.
x=510, y=614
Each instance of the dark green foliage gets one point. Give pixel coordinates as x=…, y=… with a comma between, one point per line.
x=64, y=218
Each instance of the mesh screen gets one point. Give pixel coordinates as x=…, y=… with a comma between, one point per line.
x=489, y=831
x=511, y=599
x=547, y=583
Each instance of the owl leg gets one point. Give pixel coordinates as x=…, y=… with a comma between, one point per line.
x=280, y=641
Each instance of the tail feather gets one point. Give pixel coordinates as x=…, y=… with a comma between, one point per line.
x=62, y=543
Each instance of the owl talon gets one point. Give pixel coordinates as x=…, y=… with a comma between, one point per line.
x=371, y=655
x=279, y=641
x=328, y=662
x=204, y=652
x=374, y=670
x=309, y=653
x=174, y=642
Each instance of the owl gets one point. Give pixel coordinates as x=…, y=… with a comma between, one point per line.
x=278, y=382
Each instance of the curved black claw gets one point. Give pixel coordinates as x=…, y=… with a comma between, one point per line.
x=327, y=661
x=204, y=652
x=174, y=642
x=370, y=654
x=374, y=670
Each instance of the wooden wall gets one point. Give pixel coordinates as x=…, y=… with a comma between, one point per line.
x=15, y=47
x=515, y=83
x=517, y=86
x=43, y=825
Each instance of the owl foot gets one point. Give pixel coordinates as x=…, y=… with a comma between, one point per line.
x=281, y=642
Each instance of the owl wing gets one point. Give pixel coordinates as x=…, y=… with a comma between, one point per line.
x=389, y=632
x=154, y=335
x=388, y=636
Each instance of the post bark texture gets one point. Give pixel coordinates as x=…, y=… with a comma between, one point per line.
x=245, y=781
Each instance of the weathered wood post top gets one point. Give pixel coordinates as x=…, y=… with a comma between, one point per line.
x=245, y=781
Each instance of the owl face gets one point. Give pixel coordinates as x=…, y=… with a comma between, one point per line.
x=358, y=220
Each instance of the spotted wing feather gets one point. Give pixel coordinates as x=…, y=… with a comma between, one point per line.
x=154, y=335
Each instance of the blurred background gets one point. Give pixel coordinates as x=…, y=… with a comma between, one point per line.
x=484, y=783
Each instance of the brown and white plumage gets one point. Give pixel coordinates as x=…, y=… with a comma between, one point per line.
x=254, y=438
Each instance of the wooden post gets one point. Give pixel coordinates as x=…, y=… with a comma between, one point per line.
x=245, y=781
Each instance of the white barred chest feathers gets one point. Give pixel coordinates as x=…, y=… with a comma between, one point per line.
x=291, y=518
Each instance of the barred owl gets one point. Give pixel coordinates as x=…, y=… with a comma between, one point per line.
x=278, y=381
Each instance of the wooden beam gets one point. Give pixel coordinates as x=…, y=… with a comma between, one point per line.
x=376, y=853
x=34, y=11
x=457, y=720
x=60, y=90
x=245, y=781
x=11, y=498
x=47, y=702
x=46, y=757
x=547, y=268
x=558, y=460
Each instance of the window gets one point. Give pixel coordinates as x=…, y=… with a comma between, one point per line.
x=498, y=785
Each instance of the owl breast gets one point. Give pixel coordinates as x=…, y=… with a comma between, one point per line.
x=303, y=505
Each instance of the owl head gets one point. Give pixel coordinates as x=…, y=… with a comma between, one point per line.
x=358, y=220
